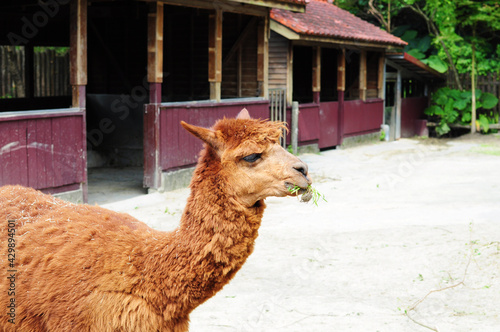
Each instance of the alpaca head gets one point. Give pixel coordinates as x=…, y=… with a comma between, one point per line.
x=246, y=153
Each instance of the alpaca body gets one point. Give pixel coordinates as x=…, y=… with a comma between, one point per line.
x=86, y=268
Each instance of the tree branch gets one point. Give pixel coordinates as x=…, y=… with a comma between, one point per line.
x=378, y=15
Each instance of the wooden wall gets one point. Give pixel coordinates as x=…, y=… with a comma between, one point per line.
x=362, y=117
x=278, y=61
x=43, y=149
x=412, y=109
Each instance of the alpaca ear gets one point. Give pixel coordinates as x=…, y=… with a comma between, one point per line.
x=206, y=135
x=243, y=115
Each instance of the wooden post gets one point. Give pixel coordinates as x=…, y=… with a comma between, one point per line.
x=316, y=73
x=341, y=91
x=78, y=51
x=155, y=51
x=78, y=73
x=295, y=126
x=263, y=57
x=397, y=130
x=289, y=75
x=362, y=75
x=215, y=54
x=381, y=76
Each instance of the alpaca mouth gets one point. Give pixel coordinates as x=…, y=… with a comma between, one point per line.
x=294, y=189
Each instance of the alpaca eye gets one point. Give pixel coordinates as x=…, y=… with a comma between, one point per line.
x=252, y=158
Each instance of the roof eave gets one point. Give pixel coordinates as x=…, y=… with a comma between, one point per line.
x=294, y=7
x=296, y=36
x=415, y=65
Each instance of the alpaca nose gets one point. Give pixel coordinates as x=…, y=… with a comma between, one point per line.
x=301, y=168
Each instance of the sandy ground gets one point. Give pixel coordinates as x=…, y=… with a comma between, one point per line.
x=410, y=226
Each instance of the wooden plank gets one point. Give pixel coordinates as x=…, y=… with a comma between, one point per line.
x=362, y=75
x=7, y=143
x=78, y=42
x=341, y=71
x=215, y=54
x=32, y=154
x=316, y=69
x=155, y=43
x=40, y=114
x=381, y=75
x=19, y=154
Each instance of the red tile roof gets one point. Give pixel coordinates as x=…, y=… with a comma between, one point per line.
x=327, y=20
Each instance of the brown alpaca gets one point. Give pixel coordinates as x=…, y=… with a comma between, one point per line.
x=85, y=268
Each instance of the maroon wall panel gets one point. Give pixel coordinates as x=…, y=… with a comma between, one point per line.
x=329, y=124
x=362, y=117
x=43, y=149
x=309, y=123
x=412, y=109
x=178, y=148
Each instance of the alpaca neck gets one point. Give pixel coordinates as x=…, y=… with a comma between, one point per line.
x=215, y=237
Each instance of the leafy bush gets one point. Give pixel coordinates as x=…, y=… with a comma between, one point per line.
x=451, y=106
x=420, y=47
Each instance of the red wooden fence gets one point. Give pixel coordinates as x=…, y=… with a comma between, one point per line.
x=43, y=149
x=168, y=146
x=362, y=117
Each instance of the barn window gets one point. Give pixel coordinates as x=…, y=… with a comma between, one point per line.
x=302, y=74
x=12, y=72
x=351, y=75
x=329, y=74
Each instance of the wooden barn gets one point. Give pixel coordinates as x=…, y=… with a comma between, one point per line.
x=98, y=83
x=105, y=83
x=333, y=64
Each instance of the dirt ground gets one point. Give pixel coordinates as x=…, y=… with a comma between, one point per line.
x=410, y=229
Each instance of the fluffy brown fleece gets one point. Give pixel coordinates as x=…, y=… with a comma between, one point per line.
x=86, y=268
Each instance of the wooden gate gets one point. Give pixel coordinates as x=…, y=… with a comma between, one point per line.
x=277, y=108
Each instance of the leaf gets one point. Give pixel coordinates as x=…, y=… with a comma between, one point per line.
x=466, y=94
x=400, y=30
x=409, y=35
x=442, y=129
x=442, y=100
x=483, y=122
x=460, y=104
x=437, y=64
x=466, y=118
x=488, y=100
x=416, y=53
x=424, y=43
x=455, y=94
x=433, y=110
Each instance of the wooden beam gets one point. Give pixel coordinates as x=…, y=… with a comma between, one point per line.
x=341, y=70
x=228, y=7
x=316, y=69
x=362, y=75
x=381, y=75
x=155, y=51
x=78, y=51
x=289, y=75
x=155, y=43
x=215, y=54
x=263, y=57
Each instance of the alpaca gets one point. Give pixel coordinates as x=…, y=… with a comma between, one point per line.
x=85, y=268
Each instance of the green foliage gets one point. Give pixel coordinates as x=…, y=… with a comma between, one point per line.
x=451, y=106
x=420, y=48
